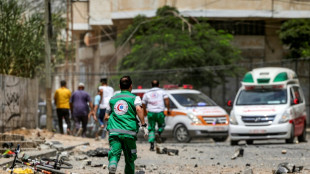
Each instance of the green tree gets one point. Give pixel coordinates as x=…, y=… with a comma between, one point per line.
x=296, y=34
x=171, y=41
x=21, y=41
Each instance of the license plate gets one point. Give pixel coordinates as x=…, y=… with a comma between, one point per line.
x=257, y=131
x=218, y=128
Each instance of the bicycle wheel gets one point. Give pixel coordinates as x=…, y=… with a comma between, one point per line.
x=49, y=169
x=60, y=164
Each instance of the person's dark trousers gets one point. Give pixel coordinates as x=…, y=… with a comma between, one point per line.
x=102, y=122
x=63, y=113
x=78, y=120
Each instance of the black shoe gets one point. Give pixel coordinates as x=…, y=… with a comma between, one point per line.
x=152, y=147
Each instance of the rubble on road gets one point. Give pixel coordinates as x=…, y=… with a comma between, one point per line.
x=164, y=150
x=287, y=168
x=238, y=153
x=99, y=152
x=248, y=169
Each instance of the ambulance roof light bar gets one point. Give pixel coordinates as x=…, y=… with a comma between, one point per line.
x=270, y=76
x=173, y=86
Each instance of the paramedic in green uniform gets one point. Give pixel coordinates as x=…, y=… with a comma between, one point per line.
x=123, y=126
x=155, y=101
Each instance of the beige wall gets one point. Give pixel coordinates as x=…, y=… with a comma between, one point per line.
x=100, y=12
x=274, y=48
x=19, y=103
x=138, y=5
x=80, y=15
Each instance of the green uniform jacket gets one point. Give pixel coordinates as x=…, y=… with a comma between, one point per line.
x=122, y=112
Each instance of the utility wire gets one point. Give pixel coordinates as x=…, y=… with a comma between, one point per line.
x=193, y=69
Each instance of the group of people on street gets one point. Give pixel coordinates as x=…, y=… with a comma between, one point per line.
x=122, y=113
x=82, y=107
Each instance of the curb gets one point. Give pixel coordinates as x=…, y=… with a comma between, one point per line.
x=45, y=153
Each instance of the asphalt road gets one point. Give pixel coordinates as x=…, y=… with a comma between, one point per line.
x=206, y=156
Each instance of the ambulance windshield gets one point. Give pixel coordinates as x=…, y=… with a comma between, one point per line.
x=262, y=97
x=191, y=100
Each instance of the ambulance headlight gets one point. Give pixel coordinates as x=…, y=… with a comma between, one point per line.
x=194, y=118
x=232, y=119
x=286, y=116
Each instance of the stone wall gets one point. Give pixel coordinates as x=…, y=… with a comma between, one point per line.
x=19, y=103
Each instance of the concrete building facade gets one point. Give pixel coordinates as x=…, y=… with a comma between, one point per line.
x=254, y=24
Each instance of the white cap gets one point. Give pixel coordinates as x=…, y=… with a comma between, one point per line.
x=81, y=84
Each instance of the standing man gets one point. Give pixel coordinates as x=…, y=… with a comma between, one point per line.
x=123, y=126
x=79, y=107
x=61, y=98
x=108, y=92
x=154, y=101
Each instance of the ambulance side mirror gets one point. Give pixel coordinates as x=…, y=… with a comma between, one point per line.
x=229, y=103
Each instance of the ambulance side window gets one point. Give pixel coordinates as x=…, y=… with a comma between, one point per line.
x=291, y=96
x=297, y=94
x=172, y=105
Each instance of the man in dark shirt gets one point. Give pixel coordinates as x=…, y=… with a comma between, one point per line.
x=79, y=107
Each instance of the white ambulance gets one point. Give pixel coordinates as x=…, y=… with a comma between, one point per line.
x=269, y=105
x=192, y=114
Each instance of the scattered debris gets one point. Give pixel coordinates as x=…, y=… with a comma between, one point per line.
x=196, y=165
x=284, y=151
x=99, y=152
x=79, y=158
x=88, y=162
x=238, y=153
x=97, y=165
x=248, y=169
x=140, y=172
x=287, y=168
x=171, y=152
x=8, y=145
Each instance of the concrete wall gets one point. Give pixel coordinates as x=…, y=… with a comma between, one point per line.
x=19, y=103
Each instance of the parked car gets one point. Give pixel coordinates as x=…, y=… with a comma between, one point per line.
x=192, y=114
x=92, y=126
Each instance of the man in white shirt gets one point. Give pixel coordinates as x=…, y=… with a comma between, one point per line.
x=154, y=101
x=108, y=92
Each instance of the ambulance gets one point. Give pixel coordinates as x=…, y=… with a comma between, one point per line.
x=192, y=114
x=269, y=105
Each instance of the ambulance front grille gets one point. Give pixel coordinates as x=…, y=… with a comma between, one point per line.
x=215, y=120
x=258, y=119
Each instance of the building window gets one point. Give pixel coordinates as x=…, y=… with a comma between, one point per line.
x=82, y=43
x=240, y=27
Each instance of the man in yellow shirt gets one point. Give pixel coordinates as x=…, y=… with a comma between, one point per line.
x=62, y=98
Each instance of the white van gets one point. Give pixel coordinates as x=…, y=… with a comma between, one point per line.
x=192, y=114
x=269, y=105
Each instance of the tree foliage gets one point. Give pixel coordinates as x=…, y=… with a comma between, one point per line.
x=171, y=41
x=296, y=34
x=21, y=41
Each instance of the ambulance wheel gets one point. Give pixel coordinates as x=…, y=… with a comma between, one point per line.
x=233, y=142
x=249, y=142
x=220, y=139
x=181, y=134
x=303, y=136
x=292, y=136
